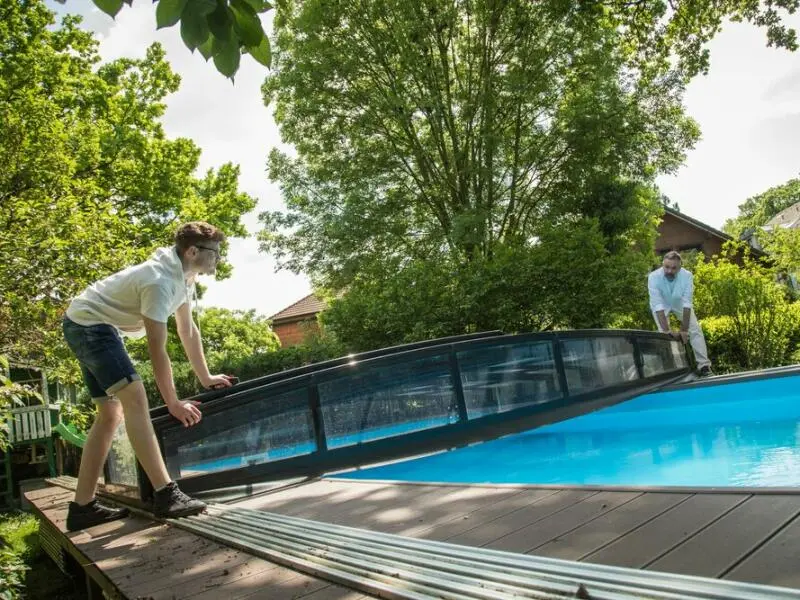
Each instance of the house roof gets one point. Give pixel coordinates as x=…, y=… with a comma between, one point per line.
x=699, y=224
x=708, y=229
x=305, y=307
x=788, y=218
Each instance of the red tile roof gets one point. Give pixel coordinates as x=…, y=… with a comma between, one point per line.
x=305, y=307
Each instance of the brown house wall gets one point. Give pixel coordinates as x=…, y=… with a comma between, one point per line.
x=675, y=234
x=294, y=333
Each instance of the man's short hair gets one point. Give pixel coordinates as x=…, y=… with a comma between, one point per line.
x=196, y=232
x=673, y=255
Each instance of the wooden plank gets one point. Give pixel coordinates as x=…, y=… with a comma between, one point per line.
x=296, y=499
x=381, y=506
x=608, y=527
x=775, y=562
x=530, y=535
x=487, y=532
x=657, y=537
x=146, y=559
x=725, y=542
x=48, y=492
x=143, y=559
x=458, y=506
x=303, y=587
x=331, y=499
x=197, y=578
x=493, y=509
x=275, y=583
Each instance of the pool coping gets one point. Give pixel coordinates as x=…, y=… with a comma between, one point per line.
x=773, y=373
x=592, y=488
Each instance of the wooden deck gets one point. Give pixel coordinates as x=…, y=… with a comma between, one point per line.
x=738, y=536
x=138, y=558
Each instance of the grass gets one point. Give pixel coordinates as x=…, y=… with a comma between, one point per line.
x=25, y=570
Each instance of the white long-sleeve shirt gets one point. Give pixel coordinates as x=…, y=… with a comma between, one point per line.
x=670, y=296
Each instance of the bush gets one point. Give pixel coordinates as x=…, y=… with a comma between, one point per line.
x=759, y=318
x=317, y=347
x=723, y=345
x=12, y=575
x=19, y=537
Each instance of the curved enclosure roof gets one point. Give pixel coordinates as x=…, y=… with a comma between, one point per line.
x=397, y=402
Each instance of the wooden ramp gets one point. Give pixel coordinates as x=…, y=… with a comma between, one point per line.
x=138, y=558
x=750, y=537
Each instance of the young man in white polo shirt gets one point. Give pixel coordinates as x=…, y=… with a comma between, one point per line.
x=671, y=289
x=137, y=301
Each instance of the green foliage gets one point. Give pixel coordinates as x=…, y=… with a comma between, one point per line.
x=20, y=532
x=19, y=547
x=12, y=395
x=316, y=348
x=438, y=142
x=12, y=575
x=228, y=28
x=756, y=211
x=656, y=31
x=575, y=275
x=723, y=344
x=90, y=182
x=759, y=320
x=230, y=337
x=246, y=365
x=81, y=415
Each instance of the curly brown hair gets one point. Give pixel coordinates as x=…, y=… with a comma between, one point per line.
x=194, y=232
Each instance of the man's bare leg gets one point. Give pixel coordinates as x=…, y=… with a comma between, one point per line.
x=95, y=449
x=133, y=398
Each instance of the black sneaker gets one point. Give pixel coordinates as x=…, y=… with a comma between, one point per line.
x=171, y=502
x=705, y=371
x=91, y=514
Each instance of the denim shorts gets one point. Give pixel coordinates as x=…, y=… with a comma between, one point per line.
x=105, y=364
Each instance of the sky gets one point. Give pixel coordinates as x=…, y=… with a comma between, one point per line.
x=748, y=109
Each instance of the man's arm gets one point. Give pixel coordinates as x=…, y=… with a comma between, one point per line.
x=192, y=344
x=657, y=305
x=663, y=323
x=686, y=300
x=186, y=412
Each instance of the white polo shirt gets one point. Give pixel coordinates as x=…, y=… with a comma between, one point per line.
x=670, y=296
x=154, y=289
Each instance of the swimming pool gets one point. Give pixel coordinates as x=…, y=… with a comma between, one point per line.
x=738, y=434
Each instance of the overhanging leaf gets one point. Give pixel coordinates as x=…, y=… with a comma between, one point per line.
x=262, y=53
x=220, y=22
x=226, y=56
x=206, y=48
x=194, y=29
x=246, y=23
x=259, y=5
x=110, y=7
x=168, y=12
x=203, y=7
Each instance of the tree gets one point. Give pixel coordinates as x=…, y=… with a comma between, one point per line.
x=757, y=210
x=781, y=244
x=221, y=30
x=442, y=132
x=90, y=182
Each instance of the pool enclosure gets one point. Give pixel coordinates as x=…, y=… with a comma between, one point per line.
x=397, y=402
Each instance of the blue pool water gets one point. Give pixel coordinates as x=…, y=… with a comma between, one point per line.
x=740, y=434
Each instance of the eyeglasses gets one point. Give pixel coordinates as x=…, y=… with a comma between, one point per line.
x=214, y=250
